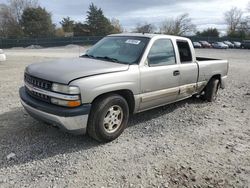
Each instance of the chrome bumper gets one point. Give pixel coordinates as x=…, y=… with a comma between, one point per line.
x=75, y=124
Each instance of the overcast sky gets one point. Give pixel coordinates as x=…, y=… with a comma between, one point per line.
x=205, y=13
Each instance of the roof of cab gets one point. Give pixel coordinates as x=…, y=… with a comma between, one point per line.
x=147, y=35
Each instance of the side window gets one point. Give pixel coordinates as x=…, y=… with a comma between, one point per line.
x=184, y=51
x=161, y=53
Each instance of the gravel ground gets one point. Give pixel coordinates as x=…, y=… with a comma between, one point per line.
x=186, y=144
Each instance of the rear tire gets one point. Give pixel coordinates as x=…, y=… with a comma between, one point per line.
x=108, y=118
x=211, y=90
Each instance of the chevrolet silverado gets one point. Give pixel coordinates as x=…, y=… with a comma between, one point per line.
x=121, y=75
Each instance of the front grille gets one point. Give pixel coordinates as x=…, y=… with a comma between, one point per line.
x=38, y=96
x=37, y=82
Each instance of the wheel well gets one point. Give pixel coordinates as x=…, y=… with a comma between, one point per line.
x=126, y=94
x=217, y=76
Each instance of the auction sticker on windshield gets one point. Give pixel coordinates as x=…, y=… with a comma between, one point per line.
x=130, y=41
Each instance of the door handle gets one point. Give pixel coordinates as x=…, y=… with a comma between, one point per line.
x=176, y=73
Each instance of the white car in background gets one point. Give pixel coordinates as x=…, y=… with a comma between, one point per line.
x=220, y=45
x=237, y=45
x=2, y=56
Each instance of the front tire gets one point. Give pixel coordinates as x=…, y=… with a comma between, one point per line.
x=211, y=90
x=108, y=118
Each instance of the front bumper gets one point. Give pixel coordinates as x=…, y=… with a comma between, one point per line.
x=73, y=120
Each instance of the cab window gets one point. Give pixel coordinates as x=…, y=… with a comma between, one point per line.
x=161, y=53
x=184, y=51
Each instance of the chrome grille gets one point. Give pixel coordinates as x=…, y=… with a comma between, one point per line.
x=38, y=96
x=37, y=82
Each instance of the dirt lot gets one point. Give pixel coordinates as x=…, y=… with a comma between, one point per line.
x=187, y=144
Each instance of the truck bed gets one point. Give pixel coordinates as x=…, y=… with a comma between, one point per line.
x=209, y=67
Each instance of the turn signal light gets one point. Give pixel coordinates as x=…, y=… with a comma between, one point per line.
x=74, y=103
x=61, y=102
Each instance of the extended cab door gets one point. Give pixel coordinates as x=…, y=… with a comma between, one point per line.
x=188, y=69
x=159, y=75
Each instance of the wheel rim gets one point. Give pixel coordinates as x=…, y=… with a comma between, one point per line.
x=113, y=119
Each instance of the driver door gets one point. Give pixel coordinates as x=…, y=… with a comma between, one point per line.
x=160, y=77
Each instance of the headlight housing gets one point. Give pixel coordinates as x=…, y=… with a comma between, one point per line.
x=70, y=91
x=66, y=89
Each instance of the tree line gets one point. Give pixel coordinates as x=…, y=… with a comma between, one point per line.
x=238, y=25
x=96, y=24
x=26, y=18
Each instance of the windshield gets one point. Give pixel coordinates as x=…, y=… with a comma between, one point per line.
x=127, y=50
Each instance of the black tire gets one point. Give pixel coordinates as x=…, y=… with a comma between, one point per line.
x=100, y=111
x=211, y=90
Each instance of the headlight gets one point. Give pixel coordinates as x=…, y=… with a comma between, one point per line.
x=60, y=88
x=73, y=91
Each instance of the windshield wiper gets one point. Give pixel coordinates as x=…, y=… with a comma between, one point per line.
x=104, y=58
x=109, y=59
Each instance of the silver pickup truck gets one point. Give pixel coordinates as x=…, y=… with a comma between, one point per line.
x=120, y=75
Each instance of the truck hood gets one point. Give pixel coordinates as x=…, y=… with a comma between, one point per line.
x=65, y=70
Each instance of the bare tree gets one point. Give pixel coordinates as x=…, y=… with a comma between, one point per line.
x=10, y=16
x=180, y=25
x=117, y=27
x=18, y=6
x=9, y=28
x=248, y=17
x=145, y=28
x=4, y=20
x=233, y=19
x=168, y=26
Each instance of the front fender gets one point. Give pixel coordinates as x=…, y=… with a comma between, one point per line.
x=94, y=86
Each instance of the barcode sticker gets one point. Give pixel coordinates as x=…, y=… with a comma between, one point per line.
x=130, y=41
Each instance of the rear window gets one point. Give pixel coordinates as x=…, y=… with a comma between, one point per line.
x=184, y=52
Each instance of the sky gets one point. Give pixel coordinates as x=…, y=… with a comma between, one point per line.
x=204, y=13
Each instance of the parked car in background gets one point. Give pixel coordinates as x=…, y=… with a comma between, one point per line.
x=220, y=45
x=237, y=45
x=2, y=56
x=230, y=45
x=197, y=45
x=205, y=44
x=246, y=44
